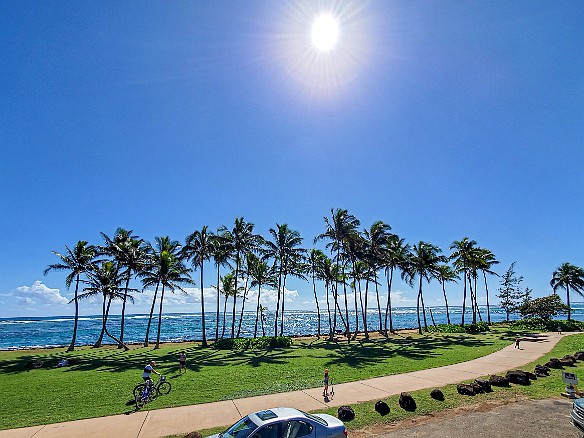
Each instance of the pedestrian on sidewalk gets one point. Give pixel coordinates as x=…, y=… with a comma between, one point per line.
x=325, y=381
x=517, y=339
x=559, y=329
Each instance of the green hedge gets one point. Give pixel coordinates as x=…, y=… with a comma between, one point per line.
x=479, y=327
x=261, y=343
x=549, y=325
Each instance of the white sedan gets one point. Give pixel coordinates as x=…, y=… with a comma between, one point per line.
x=285, y=423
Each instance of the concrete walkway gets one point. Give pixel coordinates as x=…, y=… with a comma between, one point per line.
x=184, y=419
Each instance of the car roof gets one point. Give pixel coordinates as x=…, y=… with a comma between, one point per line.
x=274, y=414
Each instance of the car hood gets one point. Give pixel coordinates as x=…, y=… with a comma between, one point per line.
x=579, y=402
x=213, y=436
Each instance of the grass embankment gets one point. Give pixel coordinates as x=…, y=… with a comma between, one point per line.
x=101, y=382
x=367, y=418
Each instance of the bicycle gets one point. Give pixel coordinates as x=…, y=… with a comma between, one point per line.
x=147, y=392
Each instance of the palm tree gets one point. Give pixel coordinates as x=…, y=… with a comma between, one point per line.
x=261, y=275
x=106, y=280
x=78, y=262
x=568, y=276
x=423, y=263
x=339, y=229
x=462, y=259
x=395, y=255
x=199, y=248
x=151, y=272
x=227, y=283
x=240, y=240
x=130, y=253
x=486, y=261
x=446, y=274
x=220, y=253
x=285, y=251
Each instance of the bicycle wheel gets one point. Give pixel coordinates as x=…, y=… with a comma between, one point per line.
x=140, y=395
x=164, y=388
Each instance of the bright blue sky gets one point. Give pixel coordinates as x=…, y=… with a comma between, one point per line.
x=445, y=119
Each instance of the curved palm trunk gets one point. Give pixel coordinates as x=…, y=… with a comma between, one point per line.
x=146, y=338
x=204, y=341
x=255, y=330
x=464, y=300
x=365, y=311
x=121, y=343
x=388, y=307
x=245, y=290
x=423, y=310
x=354, y=287
x=335, y=306
x=104, y=315
x=72, y=344
x=487, y=291
x=347, y=326
x=473, y=301
x=159, y=318
x=218, y=304
x=568, y=302
x=418, y=307
x=476, y=301
x=446, y=302
x=317, y=306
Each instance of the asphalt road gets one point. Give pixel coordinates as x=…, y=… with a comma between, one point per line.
x=541, y=418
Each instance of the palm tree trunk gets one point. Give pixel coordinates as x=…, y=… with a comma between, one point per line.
x=159, y=318
x=204, y=342
x=568, y=302
x=283, y=302
x=472, y=301
x=423, y=310
x=103, y=320
x=418, y=307
x=72, y=344
x=487, y=291
x=365, y=310
x=378, y=303
x=278, y=302
x=255, y=330
x=245, y=290
x=317, y=306
x=124, y=311
x=446, y=302
x=235, y=294
x=218, y=304
x=150, y=317
x=328, y=307
x=388, y=307
x=354, y=287
x=224, y=316
x=464, y=300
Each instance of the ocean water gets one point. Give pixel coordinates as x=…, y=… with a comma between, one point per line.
x=35, y=332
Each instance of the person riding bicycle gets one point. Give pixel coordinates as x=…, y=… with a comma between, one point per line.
x=148, y=369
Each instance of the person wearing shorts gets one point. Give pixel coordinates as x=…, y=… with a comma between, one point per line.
x=182, y=360
x=325, y=381
x=148, y=369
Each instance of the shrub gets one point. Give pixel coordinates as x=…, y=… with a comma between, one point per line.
x=455, y=328
x=540, y=324
x=262, y=343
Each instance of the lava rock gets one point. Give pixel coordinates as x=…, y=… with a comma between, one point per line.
x=554, y=362
x=579, y=355
x=484, y=384
x=464, y=389
x=381, y=408
x=541, y=371
x=519, y=377
x=345, y=413
x=567, y=361
x=193, y=435
x=407, y=402
x=501, y=381
x=436, y=394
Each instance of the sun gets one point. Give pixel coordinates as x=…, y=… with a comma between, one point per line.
x=325, y=32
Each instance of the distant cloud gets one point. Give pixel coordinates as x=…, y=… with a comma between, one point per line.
x=38, y=293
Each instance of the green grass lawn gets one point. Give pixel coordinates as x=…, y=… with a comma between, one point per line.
x=102, y=382
x=552, y=386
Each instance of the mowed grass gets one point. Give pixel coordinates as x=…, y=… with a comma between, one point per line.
x=367, y=418
x=101, y=382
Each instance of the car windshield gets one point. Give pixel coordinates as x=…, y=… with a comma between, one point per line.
x=315, y=418
x=241, y=429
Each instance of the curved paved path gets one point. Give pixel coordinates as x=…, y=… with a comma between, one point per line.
x=184, y=419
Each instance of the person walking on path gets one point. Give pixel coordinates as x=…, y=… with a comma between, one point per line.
x=559, y=329
x=517, y=339
x=325, y=381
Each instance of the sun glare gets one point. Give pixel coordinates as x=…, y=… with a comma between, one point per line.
x=325, y=32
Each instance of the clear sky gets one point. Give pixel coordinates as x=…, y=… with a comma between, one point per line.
x=445, y=119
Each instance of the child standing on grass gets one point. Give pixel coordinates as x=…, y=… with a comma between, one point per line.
x=326, y=382
x=182, y=359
